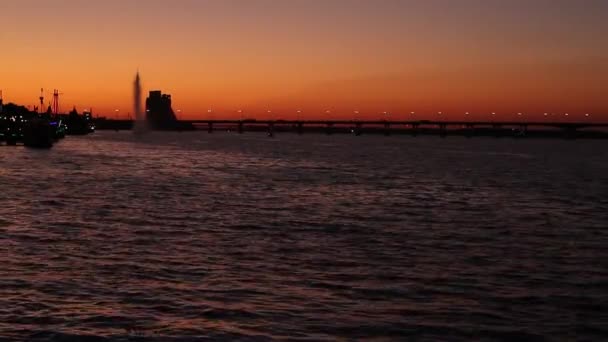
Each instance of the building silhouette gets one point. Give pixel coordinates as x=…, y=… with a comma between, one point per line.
x=159, y=112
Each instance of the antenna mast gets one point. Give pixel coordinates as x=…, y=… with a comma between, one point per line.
x=41, y=100
x=56, y=94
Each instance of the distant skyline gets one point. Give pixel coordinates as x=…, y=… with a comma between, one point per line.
x=324, y=58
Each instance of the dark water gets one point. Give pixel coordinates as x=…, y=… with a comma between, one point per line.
x=313, y=238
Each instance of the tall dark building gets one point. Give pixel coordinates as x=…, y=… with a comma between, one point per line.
x=159, y=113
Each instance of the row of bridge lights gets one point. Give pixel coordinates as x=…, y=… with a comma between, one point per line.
x=356, y=112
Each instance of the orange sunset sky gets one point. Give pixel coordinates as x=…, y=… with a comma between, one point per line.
x=398, y=56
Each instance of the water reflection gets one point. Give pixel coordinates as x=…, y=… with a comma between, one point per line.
x=226, y=236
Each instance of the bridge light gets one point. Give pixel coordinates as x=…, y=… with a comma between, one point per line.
x=587, y=114
x=567, y=114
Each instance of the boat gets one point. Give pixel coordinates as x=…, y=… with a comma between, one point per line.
x=38, y=133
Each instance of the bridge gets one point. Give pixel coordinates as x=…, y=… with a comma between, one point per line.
x=387, y=127
x=414, y=127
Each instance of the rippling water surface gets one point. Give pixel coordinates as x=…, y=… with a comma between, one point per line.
x=188, y=236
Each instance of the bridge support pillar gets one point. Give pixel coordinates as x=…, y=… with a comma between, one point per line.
x=469, y=129
x=271, y=130
x=415, y=129
x=210, y=127
x=330, y=128
x=241, y=128
x=387, y=128
x=358, y=129
x=443, y=130
x=570, y=132
x=300, y=128
x=498, y=132
x=522, y=131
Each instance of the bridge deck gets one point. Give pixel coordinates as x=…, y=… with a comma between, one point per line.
x=408, y=123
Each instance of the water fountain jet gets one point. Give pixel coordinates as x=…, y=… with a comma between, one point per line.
x=141, y=125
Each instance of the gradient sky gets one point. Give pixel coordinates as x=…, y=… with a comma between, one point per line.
x=481, y=56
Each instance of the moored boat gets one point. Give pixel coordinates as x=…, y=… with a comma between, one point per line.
x=38, y=133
